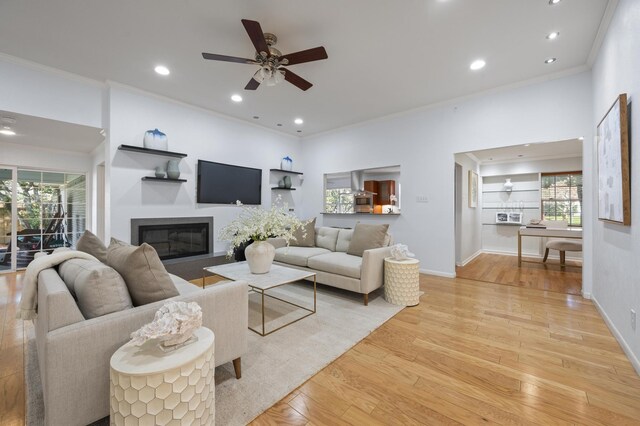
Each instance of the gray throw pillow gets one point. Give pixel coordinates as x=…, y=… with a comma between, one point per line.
x=367, y=237
x=97, y=288
x=309, y=231
x=143, y=272
x=91, y=244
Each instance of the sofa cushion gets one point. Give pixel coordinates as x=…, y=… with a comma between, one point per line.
x=143, y=272
x=344, y=238
x=327, y=238
x=98, y=288
x=305, y=236
x=298, y=256
x=91, y=244
x=337, y=263
x=366, y=237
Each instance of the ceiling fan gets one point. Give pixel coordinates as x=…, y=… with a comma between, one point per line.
x=270, y=60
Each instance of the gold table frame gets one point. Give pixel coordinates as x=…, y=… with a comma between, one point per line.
x=215, y=270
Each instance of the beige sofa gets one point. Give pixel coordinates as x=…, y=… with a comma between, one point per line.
x=74, y=353
x=331, y=263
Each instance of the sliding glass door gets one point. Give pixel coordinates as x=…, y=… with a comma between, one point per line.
x=46, y=210
x=7, y=188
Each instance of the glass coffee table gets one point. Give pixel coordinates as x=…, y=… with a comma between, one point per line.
x=261, y=283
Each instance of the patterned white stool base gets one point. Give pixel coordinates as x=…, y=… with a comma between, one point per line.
x=402, y=281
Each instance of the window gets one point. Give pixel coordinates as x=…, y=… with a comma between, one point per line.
x=562, y=197
x=338, y=200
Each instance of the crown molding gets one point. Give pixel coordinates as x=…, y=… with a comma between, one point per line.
x=607, y=17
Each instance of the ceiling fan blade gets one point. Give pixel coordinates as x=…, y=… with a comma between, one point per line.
x=215, y=57
x=296, y=80
x=252, y=84
x=303, y=56
x=256, y=35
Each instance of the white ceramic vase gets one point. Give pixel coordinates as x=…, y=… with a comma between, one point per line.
x=260, y=256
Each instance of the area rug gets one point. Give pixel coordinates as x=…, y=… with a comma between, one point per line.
x=276, y=364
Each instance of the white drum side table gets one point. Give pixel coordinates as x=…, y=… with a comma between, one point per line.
x=402, y=281
x=151, y=387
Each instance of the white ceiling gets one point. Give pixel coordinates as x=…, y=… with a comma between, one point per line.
x=533, y=151
x=385, y=56
x=47, y=133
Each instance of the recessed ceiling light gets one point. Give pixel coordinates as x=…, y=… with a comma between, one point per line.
x=299, y=131
x=552, y=2
x=477, y=65
x=527, y=144
x=7, y=131
x=255, y=117
x=520, y=155
x=550, y=60
x=236, y=98
x=162, y=70
x=298, y=121
x=279, y=124
x=552, y=36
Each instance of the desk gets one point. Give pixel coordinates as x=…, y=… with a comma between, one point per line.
x=545, y=232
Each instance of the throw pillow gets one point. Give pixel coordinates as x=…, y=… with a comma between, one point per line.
x=143, y=272
x=98, y=288
x=309, y=237
x=366, y=237
x=91, y=244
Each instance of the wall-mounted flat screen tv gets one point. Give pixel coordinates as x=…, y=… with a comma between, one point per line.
x=225, y=184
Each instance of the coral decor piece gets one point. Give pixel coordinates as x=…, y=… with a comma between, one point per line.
x=173, y=324
x=401, y=252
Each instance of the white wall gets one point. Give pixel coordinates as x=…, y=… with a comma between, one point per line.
x=201, y=135
x=29, y=156
x=423, y=143
x=616, y=283
x=32, y=89
x=470, y=238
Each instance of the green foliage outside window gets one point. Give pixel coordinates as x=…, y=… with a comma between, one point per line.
x=562, y=197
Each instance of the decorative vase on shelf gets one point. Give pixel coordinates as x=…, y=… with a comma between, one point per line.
x=286, y=164
x=160, y=172
x=260, y=255
x=508, y=185
x=287, y=181
x=173, y=169
x=281, y=183
x=155, y=139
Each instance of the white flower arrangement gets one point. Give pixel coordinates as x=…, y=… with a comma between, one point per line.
x=257, y=224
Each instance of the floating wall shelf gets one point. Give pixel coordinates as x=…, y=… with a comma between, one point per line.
x=282, y=189
x=142, y=150
x=291, y=172
x=157, y=179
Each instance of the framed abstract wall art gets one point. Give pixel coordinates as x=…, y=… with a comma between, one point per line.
x=473, y=189
x=614, y=194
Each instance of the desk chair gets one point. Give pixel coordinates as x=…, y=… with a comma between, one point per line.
x=562, y=245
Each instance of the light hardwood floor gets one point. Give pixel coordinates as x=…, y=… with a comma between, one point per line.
x=502, y=269
x=471, y=353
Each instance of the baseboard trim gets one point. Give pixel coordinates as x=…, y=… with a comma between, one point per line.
x=623, y=343
x=531, y=255
x=470, y=258
x=438, y=273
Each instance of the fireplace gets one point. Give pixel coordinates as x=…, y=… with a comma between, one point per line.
x=175, y=237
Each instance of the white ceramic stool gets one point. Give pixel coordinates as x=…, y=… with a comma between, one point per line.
x=402, y=281
x=152, y=387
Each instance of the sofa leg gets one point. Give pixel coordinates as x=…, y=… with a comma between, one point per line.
x=237, y=367
x=366, y=300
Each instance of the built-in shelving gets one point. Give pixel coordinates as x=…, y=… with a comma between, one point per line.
x=142, y=150
x=157, y=179
x=514, y=190
x=277, y=188
x=291, y=172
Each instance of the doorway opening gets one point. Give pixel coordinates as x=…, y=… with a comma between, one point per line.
x=529, y=203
